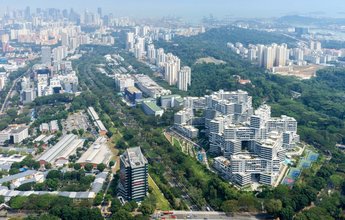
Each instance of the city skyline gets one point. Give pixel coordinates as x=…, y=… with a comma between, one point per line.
x=179, y=8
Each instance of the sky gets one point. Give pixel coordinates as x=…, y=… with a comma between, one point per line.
x=192, y=9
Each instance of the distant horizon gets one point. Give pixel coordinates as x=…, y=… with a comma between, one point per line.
x=192, y=10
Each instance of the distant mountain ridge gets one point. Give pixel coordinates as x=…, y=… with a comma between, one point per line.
x=307, y=20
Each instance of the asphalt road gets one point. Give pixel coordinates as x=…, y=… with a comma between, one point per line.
x=206, y=215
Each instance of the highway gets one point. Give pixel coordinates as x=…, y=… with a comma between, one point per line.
x=205, y=215
x=10, y=91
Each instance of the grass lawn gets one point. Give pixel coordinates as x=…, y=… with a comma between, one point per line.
x=162, y=202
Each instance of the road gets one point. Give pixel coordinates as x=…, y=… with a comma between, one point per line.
x=105, y=206
x=206, y=215
x=296, y=39
x=10, y=91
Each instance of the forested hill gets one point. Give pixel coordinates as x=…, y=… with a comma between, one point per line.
x=189, y=49
x=244, y=36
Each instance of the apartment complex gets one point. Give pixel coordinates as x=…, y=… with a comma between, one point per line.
x=252, y=143
x=167, y=63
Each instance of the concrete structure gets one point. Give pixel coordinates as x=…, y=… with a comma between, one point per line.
x=184, y=78
x=222, y=165
x=171, y=101
x=133, y=183
x=151, y=108
x=97, y=153
x=14, y=134
x=46, y=55
x=253, y=144
x=53, y=126
x=8, y=194
x=60, y=152
x=102, y=130
x=150, y=87
x=171, y=68
x=123, y=81
x=132, y=94
x=7, y=160
x=3, y=80
x=44, y=127
x=18, y=179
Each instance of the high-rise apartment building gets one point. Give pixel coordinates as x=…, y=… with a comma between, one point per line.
x=184, y=78
x=130, y=41
x=151, y=53
x=133, y=183
x=268, y=55
x=46, y=55
x=172, y=67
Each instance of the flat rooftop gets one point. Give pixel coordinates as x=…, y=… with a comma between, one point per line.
x=133, y=90
x=153, y=106
x=134, y=157
x=97, y=153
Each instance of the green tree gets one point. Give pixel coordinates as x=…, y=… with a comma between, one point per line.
x=74, y=131
x=54, y=174
x=122, y=215
x=111, y=163
x=48, y=166
x=98, y=199
x=77, y=166
x=273, y=206
x=81, y=132
x=18, y=202
x=147, y=208
x=12, y=113
x=101, y=167
x=230, y=206
x=287, y=213
x=52, y=184
x=88, y=167
x=14, y=171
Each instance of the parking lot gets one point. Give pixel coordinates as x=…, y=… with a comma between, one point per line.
x=76, y=121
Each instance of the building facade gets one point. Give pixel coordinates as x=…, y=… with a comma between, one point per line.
x=133, y=183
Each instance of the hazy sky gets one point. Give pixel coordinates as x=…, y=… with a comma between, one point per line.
x=192, y=8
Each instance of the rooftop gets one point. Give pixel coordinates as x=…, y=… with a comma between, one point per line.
x=170, y=96
x=133, y=89
x=134, y=157
x=153, y=106
x=17, y=176
x=97, y=153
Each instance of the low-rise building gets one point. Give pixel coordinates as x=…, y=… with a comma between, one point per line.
x=150, y=87
x=19, y=179
x=133, y=94
x=151, y=108
x=123, y=81
x=60, y=152
x=44, y=128
x=53, y=126
x=14, y=134
x=97, y=153
x=171, y=101
x=102, y=130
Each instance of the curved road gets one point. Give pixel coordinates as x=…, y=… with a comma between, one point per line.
x=10, y=91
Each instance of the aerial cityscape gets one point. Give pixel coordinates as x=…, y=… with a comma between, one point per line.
x=172, y=110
